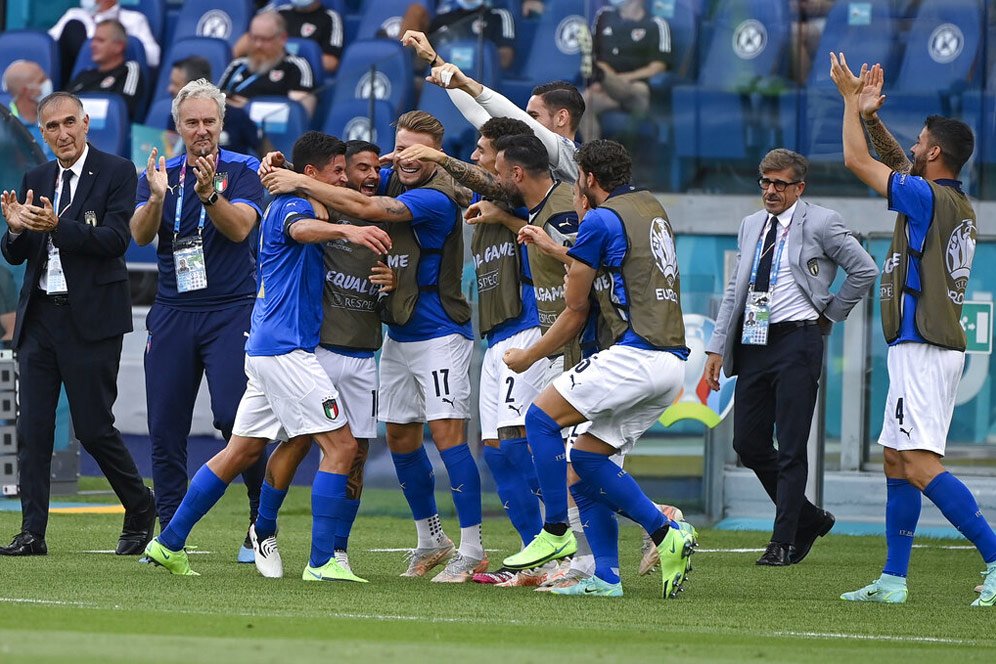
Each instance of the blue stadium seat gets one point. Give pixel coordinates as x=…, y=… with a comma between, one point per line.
x=159, y=113
x=31, y=45
x=216, y=51
x=461, y=136
x=155, y=13
x=386, y=15
x=350, y=120
x=282, y=120
x=223, y=19
x=554, y=53
x=310, y=51
x=109, y=126
x=379, y=67
x=865, y=32
x=133, y=51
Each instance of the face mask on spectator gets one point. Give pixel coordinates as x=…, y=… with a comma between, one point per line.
x=618, y=3
x=89, y=6
x=44, y=90
x=301, y=3
x=470, y=4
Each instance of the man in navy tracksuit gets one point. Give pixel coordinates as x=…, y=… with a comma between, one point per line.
x=203, y=206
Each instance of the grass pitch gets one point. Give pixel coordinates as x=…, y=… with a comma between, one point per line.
x=89, y=607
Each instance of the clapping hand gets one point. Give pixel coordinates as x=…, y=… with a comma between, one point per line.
x=156, y=175
x=13, y=210
x=42, y=219
x=204, y=170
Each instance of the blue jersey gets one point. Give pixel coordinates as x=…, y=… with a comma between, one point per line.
x=434, y=217
x=230, y=265
x=287, y=315
x=528, y=318
x=913, y=197
x=602, y=243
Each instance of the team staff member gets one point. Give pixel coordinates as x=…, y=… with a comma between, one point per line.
x=425, y=363
x=74, y=309
x=202, y=206
x=770, y=328
x=923, y=287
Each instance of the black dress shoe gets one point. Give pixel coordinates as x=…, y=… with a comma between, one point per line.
x=138, y=529
x=777, y=555
x=805, y=538
x=25, y=544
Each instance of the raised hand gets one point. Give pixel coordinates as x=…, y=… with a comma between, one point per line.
x=447, y=75
x=870, y=98
x=420, y=152
x=842, y=76
x=40, y=218
x=483, y=212
x=13, y=210
x=270, y=162
x=420, y=43
x=156, y=175
x=371, y=237
x=204, y=170
x=282, y=181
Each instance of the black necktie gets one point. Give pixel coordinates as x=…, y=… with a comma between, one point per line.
x=767, y=254
x=66, y=196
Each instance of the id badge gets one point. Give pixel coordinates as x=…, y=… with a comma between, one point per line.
x=756, y=315
x=56, y=278
x=188, y=258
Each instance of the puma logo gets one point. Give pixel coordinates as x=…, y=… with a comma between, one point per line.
x=517, y=409
x=573, y=383
x=906, y=431
x=449, y=401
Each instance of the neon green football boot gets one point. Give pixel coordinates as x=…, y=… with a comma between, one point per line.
x=545, y=547
x=886, y=589
x=987, y=596
x=174, y=561
x=674, y=552
x=330, y=571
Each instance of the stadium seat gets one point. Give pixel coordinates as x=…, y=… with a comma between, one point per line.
x=155, y=13
x=216, y=51
x=281, y=120
x=159, y=113
x=223, y=19
x=378, y=67
x=554, y=53
x=383, y=17
x=310, y=51
x=109, y=125
x=31, y=45
x=865, y=32
x=351, y=120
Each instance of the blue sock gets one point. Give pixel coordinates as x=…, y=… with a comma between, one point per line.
x=550, y=459
x=204, y=491
x=517, y=452
x=344, y=524
x=520, y=504
x=270, y=500
x=417, y=482
x=902, y=513
x=620, y=489
x=959, y=506
x=327, y=494
x=465, y=484
x=601, y=528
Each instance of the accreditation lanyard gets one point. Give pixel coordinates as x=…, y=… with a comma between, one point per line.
x=757, y=308
x=247, y=82
x=188, y=252
x=179, y=200
x=775, y=262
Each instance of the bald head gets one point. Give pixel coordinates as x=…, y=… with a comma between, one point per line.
x=267, y=39
x=21, y=74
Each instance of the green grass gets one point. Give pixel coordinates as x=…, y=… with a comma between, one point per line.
x=76, y=607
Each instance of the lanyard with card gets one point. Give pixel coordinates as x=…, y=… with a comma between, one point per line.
x=757, y=309
x=188, y=252
x=55, y=278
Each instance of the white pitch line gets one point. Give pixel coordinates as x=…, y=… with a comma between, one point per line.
x=874, y=637
x=190, y=552
x=408, y=549
x=48, y=602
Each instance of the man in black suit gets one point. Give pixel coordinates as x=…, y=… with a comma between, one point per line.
x=74, y=309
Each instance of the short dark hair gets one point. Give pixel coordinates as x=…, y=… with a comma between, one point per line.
x=317, y=149
x=495, y=128
x=608, y=161
x=562, y=95
x=525, y=150
x=781, y=158
x=954, y=137
x=354, y=148
x=194, y=67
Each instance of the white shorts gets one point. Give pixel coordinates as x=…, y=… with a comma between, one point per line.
x=356, y=380
x=287, y=396
x=923, y=383
x=505, y=395
x=554, y=369
x=421, y=381
x=622, y=391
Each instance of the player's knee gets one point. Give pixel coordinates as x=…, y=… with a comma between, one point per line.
x=538, y=420
x=511, y=433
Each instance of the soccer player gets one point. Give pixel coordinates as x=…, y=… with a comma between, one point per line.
x=289, y=396
x=624, y=240
x=425, y=362
x=923, y=286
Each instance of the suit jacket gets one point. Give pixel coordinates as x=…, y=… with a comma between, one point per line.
x=818, y=242
x=92, y=237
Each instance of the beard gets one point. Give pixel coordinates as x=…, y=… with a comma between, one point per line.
x=919, y=166
x=512, y=195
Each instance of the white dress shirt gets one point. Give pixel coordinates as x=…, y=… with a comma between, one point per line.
x=135, y=24
x=77, y=169
x=788, y=302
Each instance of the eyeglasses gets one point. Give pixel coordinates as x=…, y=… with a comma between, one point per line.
x=780, y=185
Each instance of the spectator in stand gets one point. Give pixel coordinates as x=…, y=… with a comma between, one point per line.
x=308, y=19
x=28, y=84
x=467, y=19
x=79, y=23
x=631, y=45
x=240, y=133
x=268, y=69
x=113, y=74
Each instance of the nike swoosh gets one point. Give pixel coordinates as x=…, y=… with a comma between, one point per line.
x=317, y=576
x=672, y=547
x=559, y=550
x=165, y=556
x=589, y=590
x=872, y=593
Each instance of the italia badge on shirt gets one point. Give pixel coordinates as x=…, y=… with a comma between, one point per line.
x=221, y=182
x=331, y=408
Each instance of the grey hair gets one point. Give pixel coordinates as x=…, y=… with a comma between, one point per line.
x=59, y=95
x=780, y=159
x=199, y=89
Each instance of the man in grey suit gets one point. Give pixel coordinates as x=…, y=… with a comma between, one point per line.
x=776, y=310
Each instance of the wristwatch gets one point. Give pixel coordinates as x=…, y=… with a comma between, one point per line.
x=210, y=200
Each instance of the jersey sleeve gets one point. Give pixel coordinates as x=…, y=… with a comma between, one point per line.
x=663, y=52
x=591, y=242
x=333, y=45
x=426, y=205
x=142, y=191
x=247, y=188
x=911, y=195
x=293, y=211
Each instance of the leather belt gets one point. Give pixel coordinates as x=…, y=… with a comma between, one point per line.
x=59, y=300
x=792, y=324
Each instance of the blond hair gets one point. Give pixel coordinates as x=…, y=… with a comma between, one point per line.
x=420, y=122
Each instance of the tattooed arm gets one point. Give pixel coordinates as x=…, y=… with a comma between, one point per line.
x=342, y=199
x=889, y=151
x=474, y=177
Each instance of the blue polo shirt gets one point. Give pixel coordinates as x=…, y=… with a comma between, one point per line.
x=912, y=196
x=287, y=315
x=230, y=265
x=602, y=243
